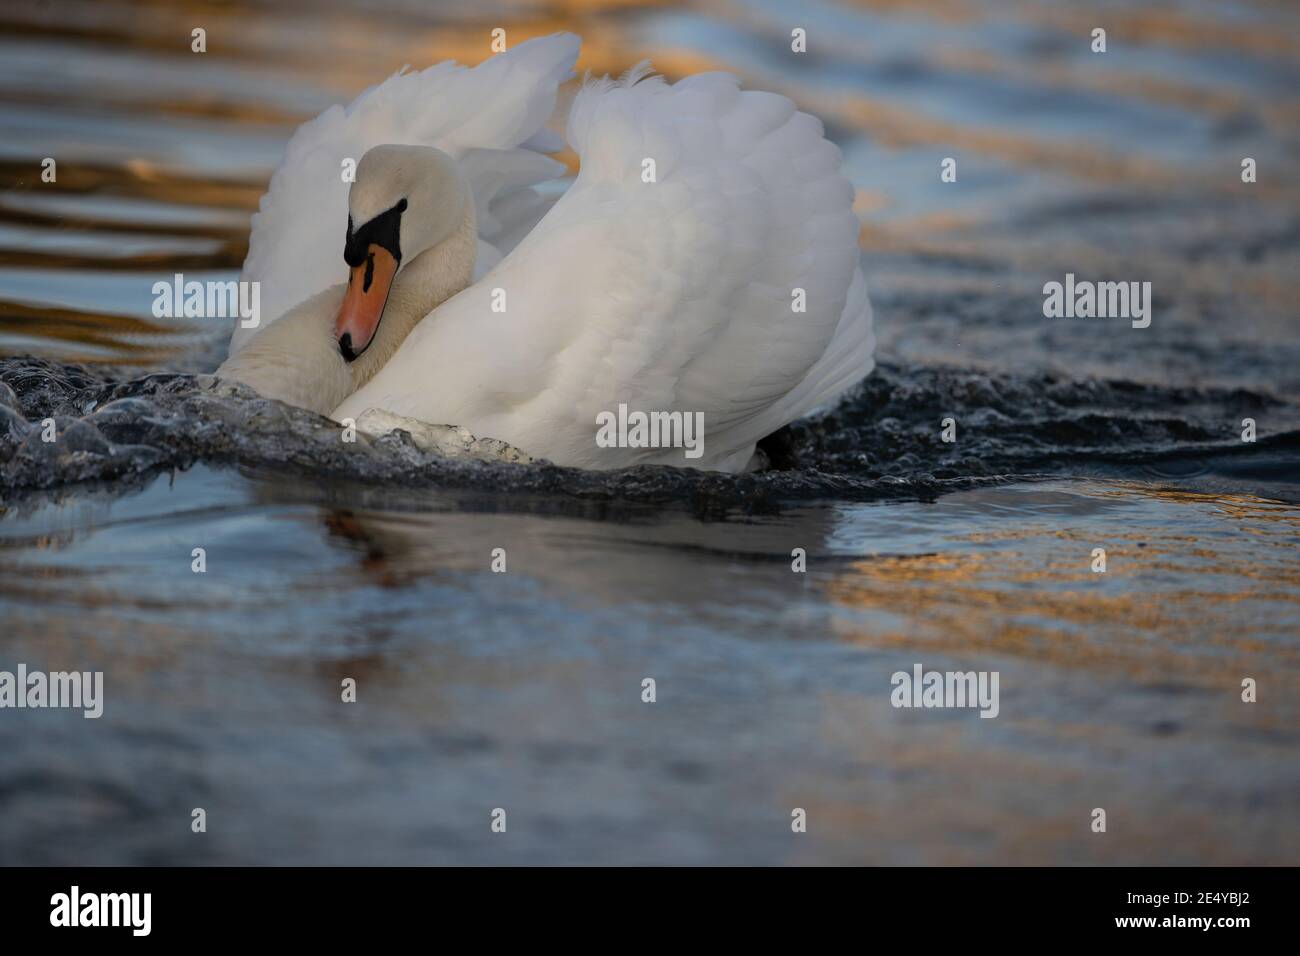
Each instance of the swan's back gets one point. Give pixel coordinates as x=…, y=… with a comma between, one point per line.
x=677, y=294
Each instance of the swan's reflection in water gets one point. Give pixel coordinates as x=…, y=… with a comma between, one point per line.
x=655, y=559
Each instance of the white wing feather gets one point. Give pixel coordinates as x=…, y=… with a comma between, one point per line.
x=490, y=117
x=671, y=295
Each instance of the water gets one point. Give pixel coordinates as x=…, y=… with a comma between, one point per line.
x=523, y=690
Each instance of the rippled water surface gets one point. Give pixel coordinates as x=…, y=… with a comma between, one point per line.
x=523, y=690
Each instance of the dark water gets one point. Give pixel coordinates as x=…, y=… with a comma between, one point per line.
x=522, y=690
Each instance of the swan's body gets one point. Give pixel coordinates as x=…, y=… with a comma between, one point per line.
x=677, y=294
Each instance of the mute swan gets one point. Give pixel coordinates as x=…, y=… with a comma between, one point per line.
x=704, y=261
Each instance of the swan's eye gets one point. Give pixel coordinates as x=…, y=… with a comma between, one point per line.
x=384, y=230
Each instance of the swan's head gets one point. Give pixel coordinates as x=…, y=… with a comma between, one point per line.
x=405, y=200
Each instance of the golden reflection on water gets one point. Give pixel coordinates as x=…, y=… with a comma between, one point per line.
x=1192, y=602
x=1187, y=608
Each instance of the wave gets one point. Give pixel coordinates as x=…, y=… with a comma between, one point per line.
x=886, y=440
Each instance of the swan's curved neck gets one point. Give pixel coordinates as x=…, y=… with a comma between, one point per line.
x=423, y=284
x=296, y=358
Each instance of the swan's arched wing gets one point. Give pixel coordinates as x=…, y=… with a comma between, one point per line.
x=490, y=117
x=669, y=277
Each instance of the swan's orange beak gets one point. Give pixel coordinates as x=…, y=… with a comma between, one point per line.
x=363, y=303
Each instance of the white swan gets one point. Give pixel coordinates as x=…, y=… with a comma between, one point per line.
x=670, y=277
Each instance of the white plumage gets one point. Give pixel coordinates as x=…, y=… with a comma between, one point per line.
x=675, y=294
x=490, y=117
